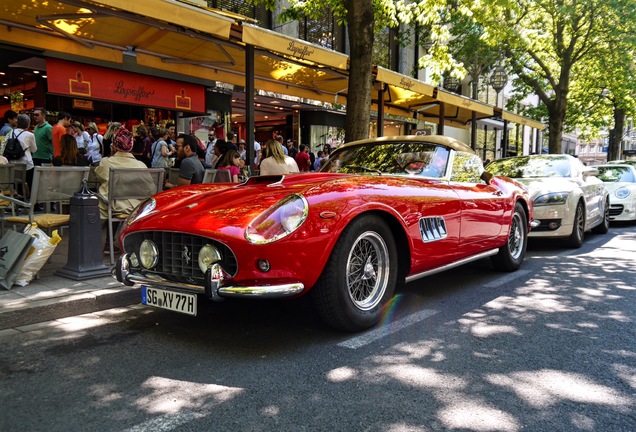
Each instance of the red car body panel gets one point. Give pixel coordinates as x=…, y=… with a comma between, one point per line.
x=202, y=210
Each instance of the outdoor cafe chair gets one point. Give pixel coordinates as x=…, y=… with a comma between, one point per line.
x=50, y=185
x=222, y=176
x=129, y=184
x=7, y=188
x=209, y=175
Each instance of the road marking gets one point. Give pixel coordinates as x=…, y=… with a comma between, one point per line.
x=507, y=278
x=387, y=329
x=166, y=422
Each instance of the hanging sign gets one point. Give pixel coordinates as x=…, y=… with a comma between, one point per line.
x=88, y=81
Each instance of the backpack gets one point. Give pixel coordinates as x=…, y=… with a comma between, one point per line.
x=13, y=150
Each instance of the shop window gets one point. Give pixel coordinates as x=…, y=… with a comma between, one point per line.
x=241, y=7
x=385, y=49
x=381, y=49
x=324, y=31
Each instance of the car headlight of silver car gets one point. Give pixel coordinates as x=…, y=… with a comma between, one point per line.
x=553, y=198
x=622, y=193
x=280, y=220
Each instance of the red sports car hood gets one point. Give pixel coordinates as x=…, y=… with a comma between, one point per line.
x=226, y=209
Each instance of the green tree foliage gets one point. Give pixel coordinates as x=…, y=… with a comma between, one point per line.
x=363, y=18
x=556, y=47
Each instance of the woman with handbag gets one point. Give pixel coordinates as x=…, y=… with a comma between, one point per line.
x=95, y=144
x=161, y=151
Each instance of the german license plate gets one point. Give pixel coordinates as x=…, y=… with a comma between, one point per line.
x=170, y=300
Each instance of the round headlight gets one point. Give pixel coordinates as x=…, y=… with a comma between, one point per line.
x=622, y=193
x=280, y=220
x=207, y=256
x=148, y=254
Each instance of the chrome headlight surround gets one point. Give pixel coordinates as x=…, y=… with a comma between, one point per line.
x=279, y=221
x=553, y=198
x=622, y=192
x=148, y=254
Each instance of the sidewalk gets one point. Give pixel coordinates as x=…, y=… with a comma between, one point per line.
x=52, y=297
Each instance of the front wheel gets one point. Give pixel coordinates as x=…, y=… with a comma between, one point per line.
x=360, y=276
x=604, y=226
x=511, y=255
x=578, y=227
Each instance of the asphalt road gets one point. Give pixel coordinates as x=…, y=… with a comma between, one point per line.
x=551, y=347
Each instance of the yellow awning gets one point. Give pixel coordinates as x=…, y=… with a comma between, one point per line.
x=516, y=118
x=404, y=82
x=183, y=14
x=186, y=40
x=293, y=49
x=464, y=103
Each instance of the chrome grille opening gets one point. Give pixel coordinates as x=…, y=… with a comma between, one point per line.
x=179, y=254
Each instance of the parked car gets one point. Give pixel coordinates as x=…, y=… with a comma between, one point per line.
x=380, y=213
x=568, y=197
x=620, y=181
x=624, y=162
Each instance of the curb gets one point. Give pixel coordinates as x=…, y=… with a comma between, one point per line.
x=63, y=307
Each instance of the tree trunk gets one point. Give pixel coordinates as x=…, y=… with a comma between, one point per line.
x=556, y=113
x=613, y=152
x=360, y=20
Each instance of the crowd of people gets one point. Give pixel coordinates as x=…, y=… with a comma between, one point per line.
x=70, y=143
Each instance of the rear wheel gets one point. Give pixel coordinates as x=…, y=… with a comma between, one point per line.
x=511, y=255
x=603, y=228
x=360, y=276
x=578, y=227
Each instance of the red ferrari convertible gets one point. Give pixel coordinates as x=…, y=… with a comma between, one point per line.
x=380, y=213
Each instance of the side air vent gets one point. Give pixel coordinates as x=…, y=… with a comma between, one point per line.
x=432, y=229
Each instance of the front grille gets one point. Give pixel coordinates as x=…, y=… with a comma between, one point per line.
x=616, y=209
x=179, y=254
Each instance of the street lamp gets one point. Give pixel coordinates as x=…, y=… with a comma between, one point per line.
x=498, y=80
x=451, y=83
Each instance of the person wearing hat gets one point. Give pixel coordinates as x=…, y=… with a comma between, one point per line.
x=121, y=157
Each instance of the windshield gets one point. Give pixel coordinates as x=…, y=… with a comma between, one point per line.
x=615, y=174
x=411, y=158
x=531, y=167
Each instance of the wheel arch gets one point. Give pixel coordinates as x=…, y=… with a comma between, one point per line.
x=526, y=209
x=401, y=241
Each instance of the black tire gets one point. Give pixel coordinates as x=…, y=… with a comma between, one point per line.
x=511, y=255
x=578, y=228
x=603, y=228
x=360, y=276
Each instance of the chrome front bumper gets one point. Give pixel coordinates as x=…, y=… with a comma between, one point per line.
x=214, y=287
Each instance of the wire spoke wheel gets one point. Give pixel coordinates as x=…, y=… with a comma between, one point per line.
x=360, y=277
x=512, y=253
x=367, y=270
x=516, y=237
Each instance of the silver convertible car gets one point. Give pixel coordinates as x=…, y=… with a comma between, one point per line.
x=569, y=199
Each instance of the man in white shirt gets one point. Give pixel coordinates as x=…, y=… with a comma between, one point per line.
x=209, y=149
